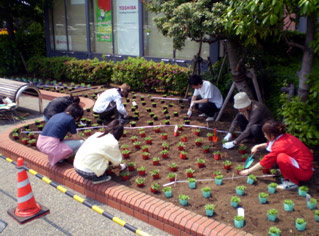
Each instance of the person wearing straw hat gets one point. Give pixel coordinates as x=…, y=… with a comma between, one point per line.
x=251, y=116
x=109, y=103
x=206, y=98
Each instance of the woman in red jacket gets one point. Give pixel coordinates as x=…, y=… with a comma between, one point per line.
x=293, y=158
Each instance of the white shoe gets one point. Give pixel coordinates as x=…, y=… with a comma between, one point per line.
x=202, y=115
x=210, y=119
x=123, y=166
x=287, y=185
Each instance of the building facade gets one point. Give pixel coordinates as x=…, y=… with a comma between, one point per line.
x=114, y=28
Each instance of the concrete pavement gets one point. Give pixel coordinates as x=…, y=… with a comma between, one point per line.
x=67, y=216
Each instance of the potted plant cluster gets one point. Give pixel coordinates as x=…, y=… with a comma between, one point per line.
x=251, y=179
x=274, y=231
x=206, y=191
x=209, y=209
x=234, y=201
x=140, y=182
x=191, y=183
x=239, y=221
x=183, y=199
x=219, y=179
x=272, y=187
x=141, y=171
x=189, y=173
x=288, y=205
x=200, y=162
x=171, y=176
x=272, y=214
x=155, y=187
x=263, y=197
x=303, y=190
x=227, y=165
x=217, y=155
x=300, y=224
x=167, y=191
x=240, y=190
x=155, y=174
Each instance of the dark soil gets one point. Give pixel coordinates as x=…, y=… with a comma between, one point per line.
x=255, y=213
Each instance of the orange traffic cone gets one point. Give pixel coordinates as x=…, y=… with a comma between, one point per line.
x=27, y=209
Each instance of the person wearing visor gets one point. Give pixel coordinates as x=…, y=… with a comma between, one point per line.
x=109, y=103
x=252, y=115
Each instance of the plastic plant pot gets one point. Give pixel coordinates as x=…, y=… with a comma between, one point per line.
x=272, y=217
x=271, y=190
x=262, y=200
x=217, y=156
x=206, y=194
x=218, y=181
x=317, y=218
x=189, y=175
x=300, y=227
x=192, y=185
x=288, y=207
x=302, y=193
x=168, y=194
x=156, y=176
x=183, y=202
x=240, y=192
x=141, y=172
x=227, y=167
x=239, y=223
x=234, y=204
x=311, y=206
x=250, y=181
x=209, y=212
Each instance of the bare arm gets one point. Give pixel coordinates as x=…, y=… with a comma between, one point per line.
x=251, y=170
x=257, y=147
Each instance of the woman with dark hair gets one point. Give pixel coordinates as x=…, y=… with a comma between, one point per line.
x=293, y=158
x=51, y=140
x=95, y=155
x=58, y=105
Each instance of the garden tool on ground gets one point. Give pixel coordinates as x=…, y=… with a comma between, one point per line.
x=249, y=161
x=215, y=138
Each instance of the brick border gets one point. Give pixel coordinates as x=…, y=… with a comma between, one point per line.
x=163, y=215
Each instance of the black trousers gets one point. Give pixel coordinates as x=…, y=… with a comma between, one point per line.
x=208, y=108
x=255, y=130
x=109, y=112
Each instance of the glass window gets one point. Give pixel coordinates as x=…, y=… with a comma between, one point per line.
x=191, y=49
x=76, y=25
x=155, y=44
x=101, y=26
x=58, y=28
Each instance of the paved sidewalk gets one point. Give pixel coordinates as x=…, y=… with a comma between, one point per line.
x=67, y=216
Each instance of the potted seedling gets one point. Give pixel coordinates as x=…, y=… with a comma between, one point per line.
x=274, y=172
x=15, y=136
x=167, y=191
x=219, y=179
x=40, y=127
x=141, y=171
x=32, y=142
x=37, y=122
x=242, y=149
x=156, y=129
x=165, y=146
x=150, y=122
x=166, y=122
x=239, y=168
x=217, y=155
x=183, y=199
x=137, y=144
x=156, y=161
x=87, y=132
x=240, y=190
x=303, y=190
x=198, y=142
x=197, y=132
x=167, y=117
x=143, y=103
x=173, y=167
x=125, y=175
x=155, y=187
x=274, y=231
x=131, y=166
x=164, y=153
x=263, y=197
x=133, y=139
x=205, y=149
x=206, y=192
x=151, y=114
x=175, y=113
x=155, y=117
x=184, y=138
x=251, y=179
x=145, y=155
x=171, y=176
x=209, y=209
x=227, y=165
x=300, y=224
x=288, y=205
x=153, y=104
x=272, y=187
x=140, y=182
x=155, y=174
x=191, y=183
x=31, y=135
x=171, y=104
x=162, y=101
x=272, y=214
x=210, y=136
x=148, y=140
x=187, y=122
x=180, y=127
x=152, y=99
x=216, y=172
x=311, y=204
x=88, y=121
x=189, y=173
x=317, y=215
x=180, y=146
x=124, y=146
x=164, y=136
x=24, y=141
x=234, y=201
x=200, y=162
x=183, y=155
x=142, y=134
x=244, y=157
x=239, y=221
x=126, y=154
x=145, y=148
x=142, y=98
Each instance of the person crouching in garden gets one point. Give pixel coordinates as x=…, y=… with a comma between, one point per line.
x=206, y=98
x=51, y=140
x=292, y=156
x=251, y=116
x=95, y=155
x=109, y=103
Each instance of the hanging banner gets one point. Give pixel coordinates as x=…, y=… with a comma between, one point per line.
x=103, y=10
x=127, y=27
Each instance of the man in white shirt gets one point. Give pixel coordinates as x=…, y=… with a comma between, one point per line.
x=210, y=100
x=109, y=103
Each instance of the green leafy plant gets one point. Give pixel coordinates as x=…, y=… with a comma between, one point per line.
x=239, y=218
x=154, y=172
x=140, y=180
x=227, y=163
x=263, y=195
x=167, y=189
x=235, y=199
x=241, y=187
x=189, y=170
x=300, y=221
x=274, y=230
x=156, y=186
x=206, y=189
x=304, y=188
x=219, y=177
x=288, y=202
x=253, y=177
x=273, y=185
x=272, y=212
x=142, y=168
x=183, y=197
x=171, y=175
x=191, y=180
x=209, y=207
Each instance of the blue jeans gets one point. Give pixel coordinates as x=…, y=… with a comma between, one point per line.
x=74, y=144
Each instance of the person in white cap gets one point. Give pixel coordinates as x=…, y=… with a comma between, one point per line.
x=251, y=117
x=210, y=100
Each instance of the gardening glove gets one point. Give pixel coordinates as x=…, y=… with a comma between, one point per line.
x=189, y=113
x=191, y=106
x=227, y=137
x=229, y=145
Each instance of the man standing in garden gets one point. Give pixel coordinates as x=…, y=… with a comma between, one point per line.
x=252, y=115
x=210, y=100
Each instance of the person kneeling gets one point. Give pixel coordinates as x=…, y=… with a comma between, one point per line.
x=94, y=156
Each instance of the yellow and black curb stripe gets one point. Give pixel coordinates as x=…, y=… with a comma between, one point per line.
x=80, y=199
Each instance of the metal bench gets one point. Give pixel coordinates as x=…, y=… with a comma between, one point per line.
x=13, y=89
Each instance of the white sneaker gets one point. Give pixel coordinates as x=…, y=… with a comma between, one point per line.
x=287, y=185
x=202, y=115
x=210, y=119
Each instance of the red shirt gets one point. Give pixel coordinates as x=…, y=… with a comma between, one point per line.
x=294, y=148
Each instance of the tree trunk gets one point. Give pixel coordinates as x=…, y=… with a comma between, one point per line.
x=307, y=60
x=237, y=68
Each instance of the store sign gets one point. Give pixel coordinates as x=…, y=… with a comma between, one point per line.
x=127, y=27
x=103, y=20
x=61, y=43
